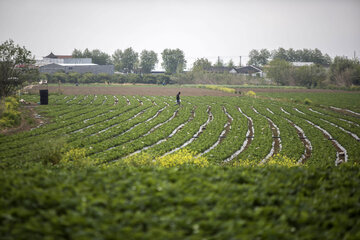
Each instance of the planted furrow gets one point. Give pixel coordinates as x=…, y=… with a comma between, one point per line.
x=338, y=116
x=350, y=122
x=95, y=120
x=83, y=99
x=198, y=117
x=23, y=147
x=284, y=111
x=75, y=113
x=50, y=130
x=63, y=100
x=312, y=110
x=105, y=99
x=227, y=127
x=160, y=124
x=276, y=143
x=135, y=116
x=299, y=111
x=262, y=141
x=139, y=144
x=110, y=138
x=116, y=124
x=117, y=135
x=269, y=111
x=94, y=99
x=305, y=141
x=343, y=137
x=196, y=135
x=72, y=99
x=330, y=121
x=342, y=129
x=87, y=101
x=232, y=140
x=249, y=136
x=213, y=130
x=127, y=100
x=345, y=111
x=323, y=151
x=126, y=114
x=99, y=100
x=341, y=155
x=116, y=100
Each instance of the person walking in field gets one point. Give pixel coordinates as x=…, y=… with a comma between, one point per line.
x=178, y=98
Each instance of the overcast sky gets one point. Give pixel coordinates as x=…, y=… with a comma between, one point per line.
x=225, y=28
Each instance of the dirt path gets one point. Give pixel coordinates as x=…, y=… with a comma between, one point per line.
x=29, y=119
x=133, y=90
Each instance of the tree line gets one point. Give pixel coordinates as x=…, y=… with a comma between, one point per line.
x=129, y=61
x=264, y=56
x=17, y=67
x=323, y=72
x=85, y=78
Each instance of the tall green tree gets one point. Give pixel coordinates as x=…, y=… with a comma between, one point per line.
x=201, y=65
x=116, y=59
x=173, y=60
x=148, y=60
x=87, y=53
x=309, y=76
x=279, y=71
x=280, y=54
x=230, y=64
x=77, y=53
x=345, y=72
x=302, y=55
x=99, y=57
x=15, y=63
x=259, y=58
x=129, y=60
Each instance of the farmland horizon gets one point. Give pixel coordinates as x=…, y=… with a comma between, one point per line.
x=226, y=29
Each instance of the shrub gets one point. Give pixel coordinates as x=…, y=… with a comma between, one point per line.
x=250, y=94
x=181, y=157
x=307, y=101
x=178, y=158
x=274, y=161
x=220, y=88
x=9, y=114
x=49, y=151
x=76, y=158
x=281, y=161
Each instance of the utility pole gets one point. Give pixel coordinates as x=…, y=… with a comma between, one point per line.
x=240, y=61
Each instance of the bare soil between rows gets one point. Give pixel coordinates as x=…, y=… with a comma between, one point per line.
x=163, y=90
x=130, y=90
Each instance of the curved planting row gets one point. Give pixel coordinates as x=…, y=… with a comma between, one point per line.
x=221, y=129
x=136, y=139
x=249, y=136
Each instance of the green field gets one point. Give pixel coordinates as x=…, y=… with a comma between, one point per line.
x=141, y=167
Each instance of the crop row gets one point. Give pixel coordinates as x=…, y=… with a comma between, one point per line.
x=222, y=129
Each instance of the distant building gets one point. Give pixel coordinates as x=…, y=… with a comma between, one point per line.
x=66, y=63
x=219, y=69
x=250, y=70
x=79, y=68
x=247, y=70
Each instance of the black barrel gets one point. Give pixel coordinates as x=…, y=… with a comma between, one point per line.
x=44, y=97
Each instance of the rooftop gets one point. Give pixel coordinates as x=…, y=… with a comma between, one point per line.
x=51, y=55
